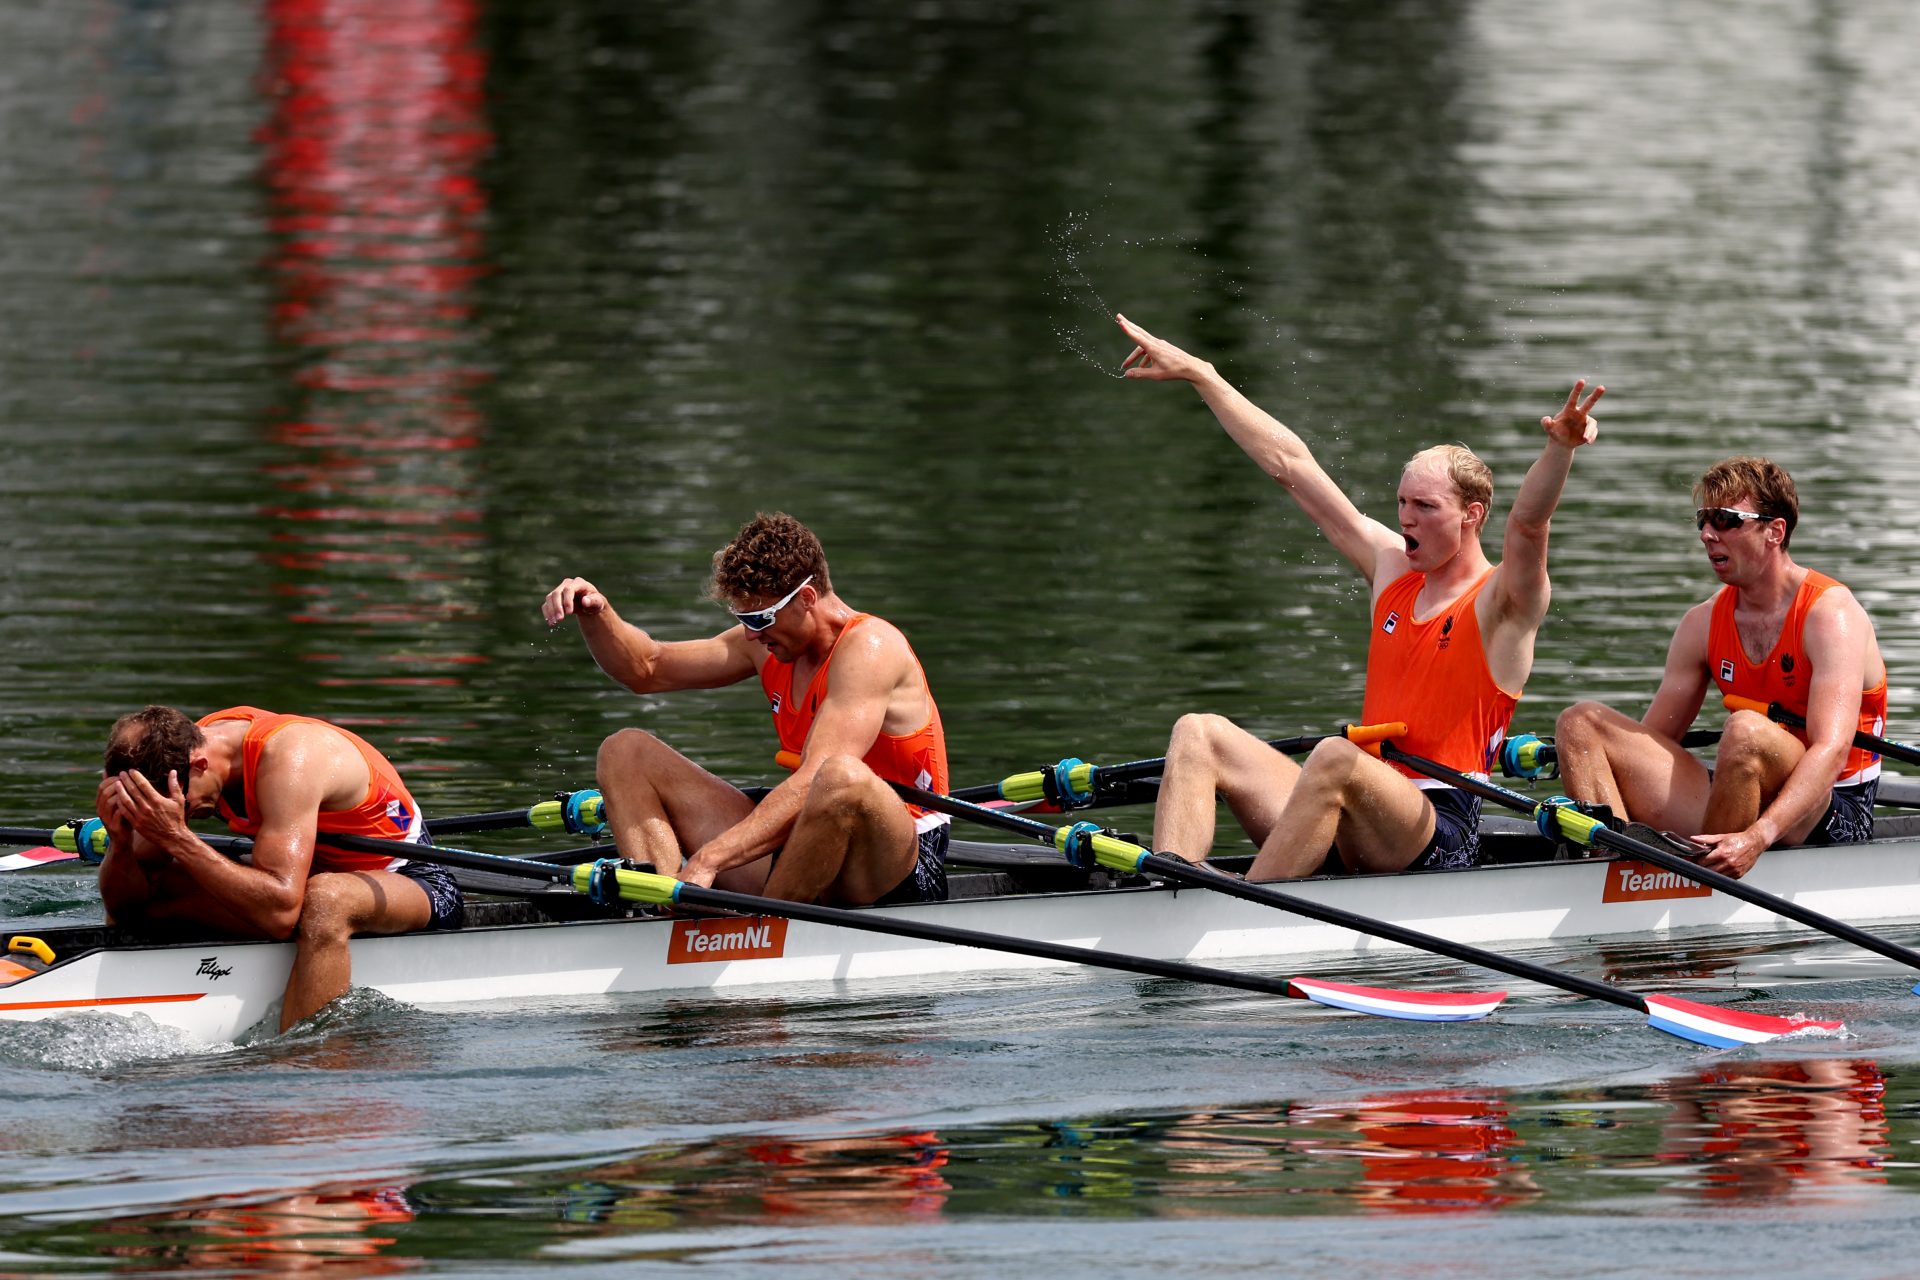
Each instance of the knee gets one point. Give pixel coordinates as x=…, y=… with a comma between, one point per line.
x=839, y=783
x=1195, y=735
x=1744, y=742
x=1330, y=765
x=325, y=913
x=1578, y=724
x=623, y=752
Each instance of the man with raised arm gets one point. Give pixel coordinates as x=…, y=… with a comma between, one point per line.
x=850, y=704
x=1451, y=646
x=1775, y=632
x=290, y=782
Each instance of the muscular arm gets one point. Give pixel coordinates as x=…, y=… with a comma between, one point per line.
x=868, y=670
x=1368, y=545
x=1520, y=590
x=638, y=661
x=1837, y=635
x=1683, y=686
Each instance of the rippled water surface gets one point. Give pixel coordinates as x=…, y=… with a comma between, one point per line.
x=334, y=332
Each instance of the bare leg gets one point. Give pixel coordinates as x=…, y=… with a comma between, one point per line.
x=1605, y=758
x=1379, y=818
x=1756, y=756
x=853, y=840
x=338, y=905
x=661, y=804
x=1210, y=759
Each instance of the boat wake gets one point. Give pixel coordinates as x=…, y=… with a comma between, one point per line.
x=97, y=1042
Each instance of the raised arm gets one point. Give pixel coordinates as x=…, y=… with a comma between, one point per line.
x=638, y=661
x=869, y=665
x=1520, y=589
x=1274, y=449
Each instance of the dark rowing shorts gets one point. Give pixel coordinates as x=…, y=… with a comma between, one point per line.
x=1849, y=816
x=1456, y=831
x=443, y=894
x=928, y=883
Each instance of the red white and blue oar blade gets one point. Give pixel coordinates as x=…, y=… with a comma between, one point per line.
x=46, y=855
x=1724, y=1028
x=1385, y=1002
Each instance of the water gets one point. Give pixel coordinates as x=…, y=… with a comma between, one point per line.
x=337, y=331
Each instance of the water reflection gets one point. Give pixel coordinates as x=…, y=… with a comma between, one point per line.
x=342, y=1231
x=1750, y=1131
x=371, y=156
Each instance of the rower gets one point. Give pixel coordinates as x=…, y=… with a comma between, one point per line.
x=1451, y=646
x=850, y=705
x=1775, y=633
x=289, y=782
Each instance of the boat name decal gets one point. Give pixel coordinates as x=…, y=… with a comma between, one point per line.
x=211, y=967
x=1629, y=881
x=705, y=941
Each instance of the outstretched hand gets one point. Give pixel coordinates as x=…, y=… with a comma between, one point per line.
x=575, y=595
x=1156, y=359
x=1575, y=424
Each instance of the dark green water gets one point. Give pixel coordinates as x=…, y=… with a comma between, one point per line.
x=334, y=332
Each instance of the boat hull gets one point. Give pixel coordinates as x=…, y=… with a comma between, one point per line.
x=214, y=991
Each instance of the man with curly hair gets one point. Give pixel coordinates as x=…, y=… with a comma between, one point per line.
x=1775, y=632
x=850, y=703
x=289, y=782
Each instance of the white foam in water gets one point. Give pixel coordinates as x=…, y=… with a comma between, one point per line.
x=98, y=1042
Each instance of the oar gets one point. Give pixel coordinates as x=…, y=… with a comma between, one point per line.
x=1584, y=829
x=1081, y=842
x=1075, y=784
x=1861, y=738
x=606, y=881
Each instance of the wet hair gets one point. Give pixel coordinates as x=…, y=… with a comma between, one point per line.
x=154, y=741
x=771, y=555
x=1472, y=479
x=1763, y=481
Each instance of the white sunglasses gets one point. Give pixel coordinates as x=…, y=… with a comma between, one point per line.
x=761, y=619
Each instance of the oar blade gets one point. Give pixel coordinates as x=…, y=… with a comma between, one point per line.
x=1386, y=1002
x=1724, y=1028
x=45, y=855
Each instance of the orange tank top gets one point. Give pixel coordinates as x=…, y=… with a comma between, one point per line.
x=918, y=759
x=386, y=812
x=1433, y=675
x=1785, y=675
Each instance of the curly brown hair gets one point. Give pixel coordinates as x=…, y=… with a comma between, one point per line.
x=1762, y=480
x=770, y=556
x=154, y=741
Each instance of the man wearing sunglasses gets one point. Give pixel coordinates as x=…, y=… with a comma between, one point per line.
x=1776, y=632
x=1451, y=645
x=851, y=707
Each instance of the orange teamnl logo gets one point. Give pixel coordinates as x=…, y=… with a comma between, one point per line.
x=703, y=941
x=1629, y=881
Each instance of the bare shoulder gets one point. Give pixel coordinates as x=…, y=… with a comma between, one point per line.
x=311, y=760
x=873, y=650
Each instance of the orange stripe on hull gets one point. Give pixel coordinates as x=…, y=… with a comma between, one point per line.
x=95, y=1004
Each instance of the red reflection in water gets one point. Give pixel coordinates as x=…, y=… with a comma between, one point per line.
x=371, y=155
x=340, y=1232
x=1759, y=1130
x=1425, y=1153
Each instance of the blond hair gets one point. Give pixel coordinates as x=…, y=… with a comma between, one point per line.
x=1471, y=478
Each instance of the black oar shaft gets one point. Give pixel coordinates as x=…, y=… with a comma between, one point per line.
x=1861, y=738
x=1608, y=838
x=1181, y=871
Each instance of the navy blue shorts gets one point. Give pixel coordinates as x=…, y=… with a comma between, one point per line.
x=1849, y=816
x=1456, y=831
x=928, y=883
x=443, y=894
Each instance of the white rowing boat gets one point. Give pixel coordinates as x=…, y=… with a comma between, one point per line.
x=558, y=945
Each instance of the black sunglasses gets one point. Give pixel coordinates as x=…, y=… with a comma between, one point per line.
x=1725, y=519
